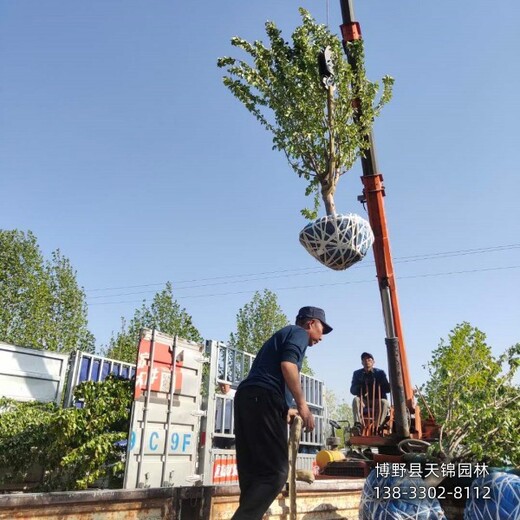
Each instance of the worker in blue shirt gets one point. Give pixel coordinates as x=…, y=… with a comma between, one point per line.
x=369, y=386
x=262, y=414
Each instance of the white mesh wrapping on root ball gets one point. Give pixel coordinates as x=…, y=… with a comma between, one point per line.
x=338, y=242
x=495, y=496
x=391, y=498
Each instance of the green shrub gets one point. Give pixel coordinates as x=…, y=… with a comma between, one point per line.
x=74, y=446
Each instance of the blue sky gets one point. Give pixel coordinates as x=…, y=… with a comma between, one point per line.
x=120, y=146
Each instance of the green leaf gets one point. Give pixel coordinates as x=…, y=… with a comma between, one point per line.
x=281, y=87
x=474, y=399
x=41, y=303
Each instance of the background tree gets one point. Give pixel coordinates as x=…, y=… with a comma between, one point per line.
x=473, y=397
x=317, y=128
x=337, y=411
x=257, y=321
x=164, y=313
x=41, y=304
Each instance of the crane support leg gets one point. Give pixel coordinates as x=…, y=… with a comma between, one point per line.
x=402, y=424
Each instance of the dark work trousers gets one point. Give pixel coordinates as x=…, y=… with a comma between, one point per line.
x=261, y=446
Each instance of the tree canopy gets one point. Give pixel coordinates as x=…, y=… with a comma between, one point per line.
x=474, y=399
x=257, y=321
x=41, y=304
x=75, y=446
x=321, y=128
x=164, y=313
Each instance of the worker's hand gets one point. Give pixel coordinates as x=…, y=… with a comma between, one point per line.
x=291, y=414
x=307, y=417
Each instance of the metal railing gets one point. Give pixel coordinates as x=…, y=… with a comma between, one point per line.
x=217, y=458
x=89, y=367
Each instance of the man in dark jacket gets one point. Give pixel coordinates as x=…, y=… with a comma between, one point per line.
x=370, y=386
x=262, y=414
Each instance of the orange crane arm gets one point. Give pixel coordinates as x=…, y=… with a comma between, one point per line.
x=373, y=194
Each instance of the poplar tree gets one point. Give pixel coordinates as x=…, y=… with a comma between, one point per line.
x=164, y=313
x=41, y=304
x=257, y=321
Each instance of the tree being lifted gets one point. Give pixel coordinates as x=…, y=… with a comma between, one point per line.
x=320, y=123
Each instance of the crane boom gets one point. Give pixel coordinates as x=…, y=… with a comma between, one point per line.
x=373, y=194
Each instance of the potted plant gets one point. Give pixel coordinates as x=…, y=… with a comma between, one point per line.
x=312, y=112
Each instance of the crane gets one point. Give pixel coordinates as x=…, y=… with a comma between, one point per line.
x=406, y=413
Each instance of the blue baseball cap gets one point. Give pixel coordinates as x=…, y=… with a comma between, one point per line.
x=315, y=313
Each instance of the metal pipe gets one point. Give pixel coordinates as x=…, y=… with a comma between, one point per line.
x=173, y=379
x=146, y=406
x=388, y=316
x=402, y=428
x=347, y=11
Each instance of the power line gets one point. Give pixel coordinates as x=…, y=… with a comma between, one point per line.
x=202, y=279
x=426, y=275
x=201, y=285
x=296, y=272
x=461, y=252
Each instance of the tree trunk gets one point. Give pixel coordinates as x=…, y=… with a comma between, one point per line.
x=328, y=201
x=328, y=186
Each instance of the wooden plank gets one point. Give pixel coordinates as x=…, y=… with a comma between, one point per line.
x=324, y=500
x=318, y=501
x=148, y=504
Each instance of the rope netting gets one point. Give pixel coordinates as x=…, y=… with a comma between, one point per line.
x=390, y=498
x=494, y=497
x=337, y=242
